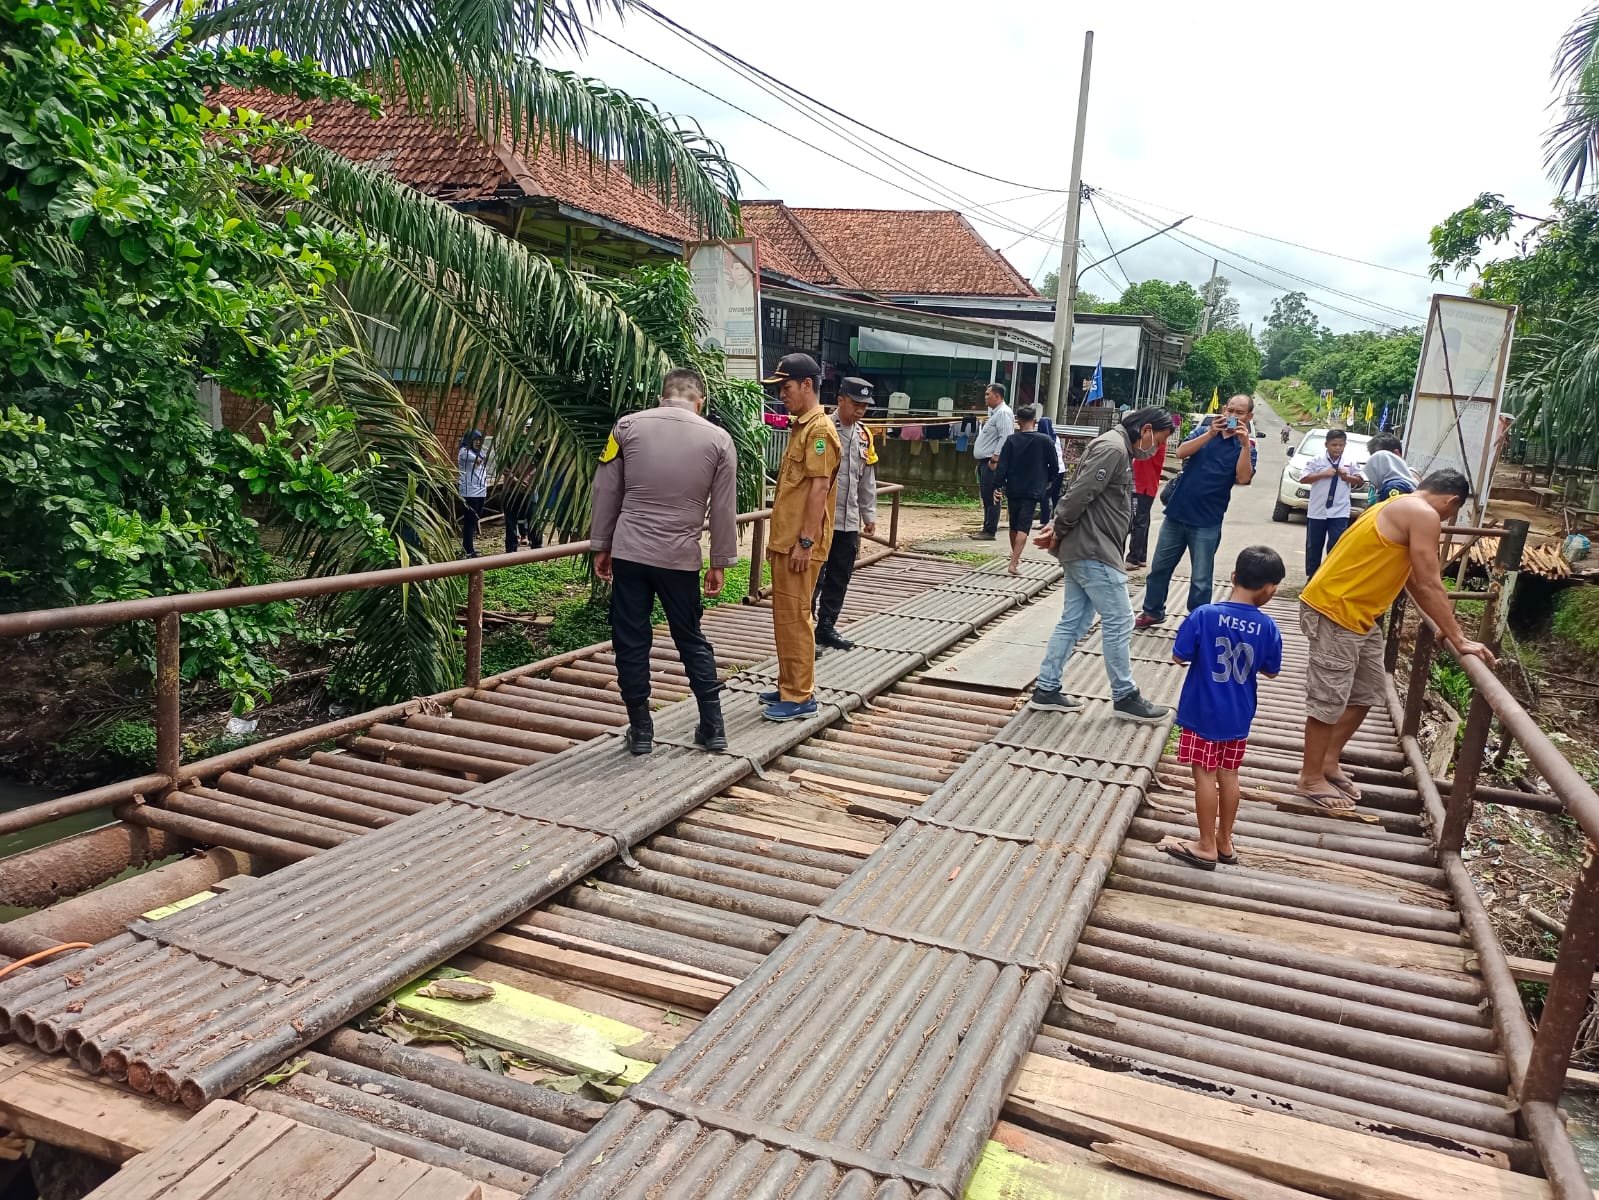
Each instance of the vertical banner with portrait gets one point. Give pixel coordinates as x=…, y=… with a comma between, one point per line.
x=727, y=284
x=1460, y=382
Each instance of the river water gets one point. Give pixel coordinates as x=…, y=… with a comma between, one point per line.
x=20, y=795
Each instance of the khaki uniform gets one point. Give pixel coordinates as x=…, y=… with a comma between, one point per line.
x=813, y=452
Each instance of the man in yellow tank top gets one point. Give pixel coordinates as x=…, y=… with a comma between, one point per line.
x=1394, y=544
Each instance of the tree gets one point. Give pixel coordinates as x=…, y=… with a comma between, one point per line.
x=1571, y=145
x=152, y=241
x=1178, y=305
x=1224, y=308
x=1292, y=330
x=1051, y=285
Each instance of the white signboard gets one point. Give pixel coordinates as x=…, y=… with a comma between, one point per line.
x=727, y=286
x=1459, y=383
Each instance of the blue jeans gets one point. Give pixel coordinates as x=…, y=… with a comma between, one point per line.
x=1093, y=586
x=1200, y=541
x=1321, y=535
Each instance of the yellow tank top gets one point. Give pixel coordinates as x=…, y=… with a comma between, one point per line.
x=1361, y=578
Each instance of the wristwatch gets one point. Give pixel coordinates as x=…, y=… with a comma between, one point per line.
x=806, y=542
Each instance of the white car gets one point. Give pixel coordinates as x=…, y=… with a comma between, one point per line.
x=1292, y=495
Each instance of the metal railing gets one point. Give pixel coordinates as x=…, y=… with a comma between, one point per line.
x=166, y=613
x=1536, y=1063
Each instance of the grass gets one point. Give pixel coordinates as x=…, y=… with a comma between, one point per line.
x=1576, y=620
x=1294, y=401
x=975, y=557
x=534, y=588
x=940, y=498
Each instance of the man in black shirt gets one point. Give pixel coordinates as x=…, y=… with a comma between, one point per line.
x=1027, y=471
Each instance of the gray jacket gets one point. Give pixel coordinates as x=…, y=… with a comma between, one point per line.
x=1094, y=514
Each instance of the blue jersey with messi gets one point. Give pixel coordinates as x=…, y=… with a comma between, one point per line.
x=1226, y=646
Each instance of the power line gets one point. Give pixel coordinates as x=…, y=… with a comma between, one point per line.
x=1375, y=305
x=727, y=54
x=1280, y=241
x=1094, y=208
x=944, y=195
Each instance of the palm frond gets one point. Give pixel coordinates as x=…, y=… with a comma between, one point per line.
x=1571, y=145
x=469, y=65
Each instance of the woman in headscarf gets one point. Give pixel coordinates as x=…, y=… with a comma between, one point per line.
x=472, y=466
x=1047, y=428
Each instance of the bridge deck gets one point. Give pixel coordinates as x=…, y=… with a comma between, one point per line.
x=1307, y=1020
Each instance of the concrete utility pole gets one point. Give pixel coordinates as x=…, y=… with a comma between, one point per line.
x=1060, y=367
x=1210, y=300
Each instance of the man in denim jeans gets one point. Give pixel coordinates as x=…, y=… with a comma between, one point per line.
x=1088, y=536
x=1216, y=458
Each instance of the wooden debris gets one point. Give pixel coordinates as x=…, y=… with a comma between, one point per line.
x=457, y=989
x=1544, y=559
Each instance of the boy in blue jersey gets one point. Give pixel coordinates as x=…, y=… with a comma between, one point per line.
x=1226, y=647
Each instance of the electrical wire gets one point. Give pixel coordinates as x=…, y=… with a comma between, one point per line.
x=1110, y=249
x=684, y=31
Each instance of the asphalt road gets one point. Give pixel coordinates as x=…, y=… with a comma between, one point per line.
x=1249, y=520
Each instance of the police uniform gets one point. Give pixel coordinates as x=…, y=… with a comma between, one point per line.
x=813, y=453
x=855, y=508
x=663, y=471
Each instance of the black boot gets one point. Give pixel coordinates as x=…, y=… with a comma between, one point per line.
x=711, y=735
x=827, y=636
x=640, y=729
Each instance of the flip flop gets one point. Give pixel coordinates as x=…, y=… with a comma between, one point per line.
x=1347, y=787
x=1320, y=799
x=1181, y=852
x=1227, y=860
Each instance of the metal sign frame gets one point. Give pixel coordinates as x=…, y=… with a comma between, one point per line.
x=739, y=366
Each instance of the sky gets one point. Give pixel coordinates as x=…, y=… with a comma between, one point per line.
x=1351, y=128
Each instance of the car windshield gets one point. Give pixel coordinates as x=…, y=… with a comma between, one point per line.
x=1316, y=441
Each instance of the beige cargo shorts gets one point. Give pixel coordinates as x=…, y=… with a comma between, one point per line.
x=1345, y=667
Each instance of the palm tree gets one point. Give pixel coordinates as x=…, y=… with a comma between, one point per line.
x=551, y=358
x=1571, y=146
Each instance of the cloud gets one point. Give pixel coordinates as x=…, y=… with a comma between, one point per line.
x=1354, y=128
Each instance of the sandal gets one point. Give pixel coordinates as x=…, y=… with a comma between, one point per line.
x=1227, y=860
x=1347, y=787
x=1333, y=802
x=1183, y=854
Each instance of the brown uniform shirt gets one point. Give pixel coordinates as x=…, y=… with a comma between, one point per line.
x=661, y=471
x=813, y=451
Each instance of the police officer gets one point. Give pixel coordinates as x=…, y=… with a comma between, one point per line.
x=661, y=470
x=802, y=529
x=854, y=512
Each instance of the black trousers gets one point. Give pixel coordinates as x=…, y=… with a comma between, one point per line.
x=1138, y=535
x=991, y=506
x=833, y=582
x=634, y=589
x=469, y=521
x=1321, y=535
x=519, y=521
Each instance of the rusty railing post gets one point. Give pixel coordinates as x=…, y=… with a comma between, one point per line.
x=168, y=678
x=1396, y=626
x=893, y=523
x=752, y=594
x=1420, y=670
x=474, y=629
x=1569, y=989
x=1468, y=766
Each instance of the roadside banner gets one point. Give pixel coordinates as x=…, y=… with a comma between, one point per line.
x=727, y=284
x=1460, y=381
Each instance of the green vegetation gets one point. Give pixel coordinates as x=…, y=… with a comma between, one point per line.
x=1292, y=399
x=1225, y=362
x=533, y=588
x=1576, y=619
x=123, y=743
x=939, y=497
x=1450, y=682
x=1179, y=400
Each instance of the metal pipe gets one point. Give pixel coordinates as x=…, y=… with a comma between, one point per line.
x=1569, y=990
x=1468, y=766
x=168, y=679
x=1420, y=672
x=474, y=629
x=71, y=865
x=213, y=833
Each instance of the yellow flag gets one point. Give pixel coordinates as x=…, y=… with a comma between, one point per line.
x=1215, y=401
x=1369, y=403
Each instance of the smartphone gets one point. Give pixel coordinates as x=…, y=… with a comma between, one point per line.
x=1232, y=422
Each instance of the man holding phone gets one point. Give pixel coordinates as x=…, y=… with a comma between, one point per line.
x=1216, y=458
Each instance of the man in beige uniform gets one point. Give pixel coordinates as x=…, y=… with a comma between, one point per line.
x=662, y=470
x=802, y=532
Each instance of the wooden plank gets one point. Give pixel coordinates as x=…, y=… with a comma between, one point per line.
x=832, y=784
x=797, y=815
x=166, y=910
x=1005, y=1174
x=303, y=1164
x=52, y=1100
x=1195, y=1171
x=1287, y=1150
x=1090, y=1176
x=387, y=1176
x=1306, y=935
x=544, y=1030
x=1535, y=970
x=442, y=1184
x=151, y=1173
x=256, y=1138
x=697, y=995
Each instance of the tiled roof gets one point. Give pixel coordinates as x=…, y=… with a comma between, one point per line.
x=457, y=169
x=933, y=253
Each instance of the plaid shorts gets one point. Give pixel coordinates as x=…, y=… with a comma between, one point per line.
x=1212, y=756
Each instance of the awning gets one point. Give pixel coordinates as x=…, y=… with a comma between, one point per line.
x=918, y=324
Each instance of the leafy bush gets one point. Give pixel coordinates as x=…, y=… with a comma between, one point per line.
x=533, y=588
x=1179, y=400
x=1450, y=682
x=126, y=743
x=1576, y=619
x=578, y=623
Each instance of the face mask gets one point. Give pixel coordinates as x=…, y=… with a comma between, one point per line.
x=1140, y=452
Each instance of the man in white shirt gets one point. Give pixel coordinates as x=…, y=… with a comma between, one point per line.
x=990, y=441
x=1330, y=483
